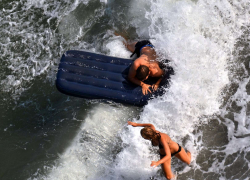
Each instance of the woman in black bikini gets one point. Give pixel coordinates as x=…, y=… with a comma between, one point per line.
x=167, y=147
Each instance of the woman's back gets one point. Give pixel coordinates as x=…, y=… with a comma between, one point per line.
x=173, y=146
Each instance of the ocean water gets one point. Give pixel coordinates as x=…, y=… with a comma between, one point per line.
x=47, y=135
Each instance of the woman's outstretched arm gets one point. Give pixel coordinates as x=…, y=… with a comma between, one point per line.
x=141, y=125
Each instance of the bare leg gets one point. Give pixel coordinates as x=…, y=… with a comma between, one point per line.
x=184, y=156
x=128, y=45
x=166, y=167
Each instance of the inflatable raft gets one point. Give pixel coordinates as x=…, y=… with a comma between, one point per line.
x=90, y=75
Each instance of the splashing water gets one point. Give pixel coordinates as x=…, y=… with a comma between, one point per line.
x=206, y=109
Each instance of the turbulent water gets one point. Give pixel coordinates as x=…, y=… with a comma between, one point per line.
x=47, y=135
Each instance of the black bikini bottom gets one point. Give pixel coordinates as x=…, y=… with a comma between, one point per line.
x=179, y=150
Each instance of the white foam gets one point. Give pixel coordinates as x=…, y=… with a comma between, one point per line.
x=198, y=37
x=28, y=44
x=104, y=1
x=115, y=47
x=93, y=149
x=239, y=136
x=193, y=37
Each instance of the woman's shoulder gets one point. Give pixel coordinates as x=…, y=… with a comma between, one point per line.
x=164, y=136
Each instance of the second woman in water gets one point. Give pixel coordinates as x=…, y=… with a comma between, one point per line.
x=167, y=148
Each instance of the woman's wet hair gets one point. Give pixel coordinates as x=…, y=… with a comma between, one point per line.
x=142, y=72
x=149, y=133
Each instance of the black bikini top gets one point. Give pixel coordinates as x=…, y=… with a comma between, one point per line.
x=160, y=146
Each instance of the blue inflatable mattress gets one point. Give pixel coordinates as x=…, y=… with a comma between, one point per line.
x=96, y=76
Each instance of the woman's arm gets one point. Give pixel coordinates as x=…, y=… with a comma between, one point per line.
x=156, y=85
x=132, y=73
x=167, y=152
x=133, y=79
x=141, y=125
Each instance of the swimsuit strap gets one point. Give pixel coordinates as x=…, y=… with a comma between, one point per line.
x=147, y=45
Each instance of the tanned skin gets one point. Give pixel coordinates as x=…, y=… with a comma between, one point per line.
x=147, y=58
x=169, y=147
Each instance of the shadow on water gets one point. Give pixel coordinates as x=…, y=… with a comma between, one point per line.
x=36, y=128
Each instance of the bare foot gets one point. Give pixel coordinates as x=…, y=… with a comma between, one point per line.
x=174, y=176
x=120, y=34
x=116, y=33
x=124, y=35
x=129, y=45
